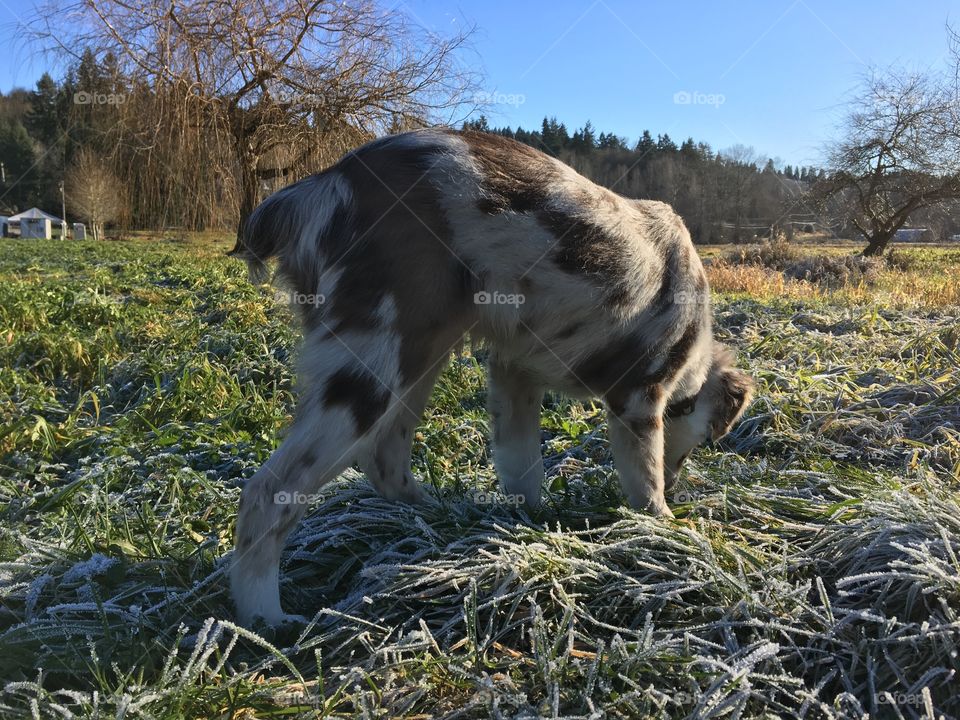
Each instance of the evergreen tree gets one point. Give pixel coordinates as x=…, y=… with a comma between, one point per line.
x=583, y=140
x=609, y=141
x=480, y=124
x=46, y=119
x=665, y=144
x=554, y=136
x=689, y=151
x=646, y=145
x=21, y=189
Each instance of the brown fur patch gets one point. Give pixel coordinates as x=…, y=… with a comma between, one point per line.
x=733, y=393
x=584, y=248
x=623, y=366
x=516, y=177
x=361, y=392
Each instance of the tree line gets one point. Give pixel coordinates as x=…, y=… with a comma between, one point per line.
x=103, y=134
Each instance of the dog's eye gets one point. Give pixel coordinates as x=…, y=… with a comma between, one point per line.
x=681, y=407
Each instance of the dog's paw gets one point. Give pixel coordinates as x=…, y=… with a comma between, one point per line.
x=282, y=630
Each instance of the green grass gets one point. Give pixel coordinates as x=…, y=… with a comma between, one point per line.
x=813, y=565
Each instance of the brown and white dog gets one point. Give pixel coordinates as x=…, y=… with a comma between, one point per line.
x=414, y=240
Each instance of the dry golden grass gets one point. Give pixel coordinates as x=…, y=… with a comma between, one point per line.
x=757, y=281
x=929, y=277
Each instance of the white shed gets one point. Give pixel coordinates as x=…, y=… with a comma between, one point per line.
x=36, y=228
x=35, y=223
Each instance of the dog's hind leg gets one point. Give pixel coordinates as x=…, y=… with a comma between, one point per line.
x=515, y=416
x=342, y=408
x=387, y=462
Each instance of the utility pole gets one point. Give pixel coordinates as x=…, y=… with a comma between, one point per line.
x=63, y=213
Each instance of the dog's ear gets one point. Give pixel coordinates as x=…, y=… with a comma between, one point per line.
x=733, y=393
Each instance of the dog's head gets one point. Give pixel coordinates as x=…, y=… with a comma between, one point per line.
x=710, y=414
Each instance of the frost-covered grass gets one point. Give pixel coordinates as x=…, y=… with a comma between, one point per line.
x=812, y=570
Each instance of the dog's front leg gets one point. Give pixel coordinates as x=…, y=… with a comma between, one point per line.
x=636, y=438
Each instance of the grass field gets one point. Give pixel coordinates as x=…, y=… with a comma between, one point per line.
x=812, y=570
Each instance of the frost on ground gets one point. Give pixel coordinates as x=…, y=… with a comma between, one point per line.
x=812, y=570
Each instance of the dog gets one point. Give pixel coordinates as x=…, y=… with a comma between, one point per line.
x=413, y=241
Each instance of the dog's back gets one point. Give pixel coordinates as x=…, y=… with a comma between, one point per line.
x=470, y=231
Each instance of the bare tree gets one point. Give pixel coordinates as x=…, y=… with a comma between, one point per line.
x=899, y=152
x=741, y=176
x=94, y=192
x=275, y=83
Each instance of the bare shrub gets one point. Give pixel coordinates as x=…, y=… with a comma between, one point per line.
x=774, y=255
x=94, y=191
x=900, y=261
x=835, y=270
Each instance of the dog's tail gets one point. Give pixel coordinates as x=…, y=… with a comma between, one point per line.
x=296, y=216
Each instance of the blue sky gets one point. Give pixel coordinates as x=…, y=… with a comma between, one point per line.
x=772, y=75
